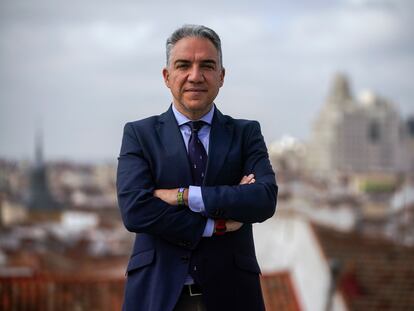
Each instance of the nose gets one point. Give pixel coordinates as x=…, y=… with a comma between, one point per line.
x=195, y=75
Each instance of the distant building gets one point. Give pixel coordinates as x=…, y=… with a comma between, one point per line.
x=41, y=202
x=410, y=144
x=367, y=273
x=365, y=135
x=287, y=156
x=279, y=294
x=338, y=270
x=63, y=293
x=11, y=211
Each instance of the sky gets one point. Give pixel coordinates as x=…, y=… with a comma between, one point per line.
x=79, y=70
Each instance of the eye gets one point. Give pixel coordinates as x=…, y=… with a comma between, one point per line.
x=208, y=66
x=181, y=66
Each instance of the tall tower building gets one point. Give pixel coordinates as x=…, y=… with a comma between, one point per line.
x=356, y=135
x=40, y=199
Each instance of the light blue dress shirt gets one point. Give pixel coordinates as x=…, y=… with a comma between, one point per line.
x=195, y=199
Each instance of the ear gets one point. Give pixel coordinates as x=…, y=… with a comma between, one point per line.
x=222, y=74
x=166, y=75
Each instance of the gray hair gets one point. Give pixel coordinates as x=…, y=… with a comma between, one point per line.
x=198, y=31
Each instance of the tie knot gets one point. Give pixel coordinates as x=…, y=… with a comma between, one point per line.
x=196, y=125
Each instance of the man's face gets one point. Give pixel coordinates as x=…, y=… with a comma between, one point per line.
x=194, y=76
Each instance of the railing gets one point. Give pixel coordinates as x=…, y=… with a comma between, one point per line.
x=63, y=293
x=71, y=293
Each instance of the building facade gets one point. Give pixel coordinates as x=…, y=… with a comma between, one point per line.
x=358, y=135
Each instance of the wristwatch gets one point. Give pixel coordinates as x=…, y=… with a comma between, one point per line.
x=220, y=227
x=180, y=197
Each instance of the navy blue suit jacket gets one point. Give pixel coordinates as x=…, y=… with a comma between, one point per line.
x=169, y=240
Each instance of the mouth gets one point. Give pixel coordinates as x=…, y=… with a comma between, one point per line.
x=195, y=90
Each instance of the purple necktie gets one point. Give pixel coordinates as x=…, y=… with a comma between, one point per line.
x=196, y=153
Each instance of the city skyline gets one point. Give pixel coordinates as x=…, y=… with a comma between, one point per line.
x=80, y=71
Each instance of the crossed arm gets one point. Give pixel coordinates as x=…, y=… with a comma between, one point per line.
x=170, y=196
x=145, y=209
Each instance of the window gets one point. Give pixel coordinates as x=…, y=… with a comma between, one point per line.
x=374, y=134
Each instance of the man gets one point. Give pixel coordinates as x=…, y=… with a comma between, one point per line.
x=190, y=182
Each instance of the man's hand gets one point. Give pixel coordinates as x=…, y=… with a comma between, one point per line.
x=170, y=195
x=249, y=179
x=232, y=225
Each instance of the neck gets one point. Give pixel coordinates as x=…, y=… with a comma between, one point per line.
x=193, y=115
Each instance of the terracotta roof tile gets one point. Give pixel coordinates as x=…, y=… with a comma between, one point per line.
x=373, y=273
x=106, y=293
x=61, y=293
x=278, y=292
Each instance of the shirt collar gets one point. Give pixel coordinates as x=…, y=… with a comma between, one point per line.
x=181, y=119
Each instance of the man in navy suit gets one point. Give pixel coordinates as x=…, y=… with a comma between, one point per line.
x=191, y=182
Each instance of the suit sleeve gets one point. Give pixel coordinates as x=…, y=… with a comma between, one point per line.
x=140, y=210
x=246, y=203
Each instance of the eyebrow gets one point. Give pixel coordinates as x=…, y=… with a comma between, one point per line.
x=209, y=61
x=206, y=61
x=181, y=61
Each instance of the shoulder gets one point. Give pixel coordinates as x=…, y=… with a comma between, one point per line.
x=241, y=124
x=145, y=125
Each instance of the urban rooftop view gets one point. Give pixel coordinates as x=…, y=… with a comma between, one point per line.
x=342, y=237
x=330, y=84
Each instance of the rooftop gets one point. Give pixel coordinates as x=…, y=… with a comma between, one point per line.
x=372, y=273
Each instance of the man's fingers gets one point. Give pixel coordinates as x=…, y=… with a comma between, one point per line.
x=233, y=225
x=244, y=180
x=249, y=179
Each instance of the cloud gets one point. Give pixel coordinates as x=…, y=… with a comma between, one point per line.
x=88, y=67
x=104, y=36
x=345, y=30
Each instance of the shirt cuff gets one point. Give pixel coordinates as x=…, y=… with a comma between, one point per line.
x=209, y=229
x=195, y=200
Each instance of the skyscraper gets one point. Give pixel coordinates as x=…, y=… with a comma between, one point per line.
x=357, y=135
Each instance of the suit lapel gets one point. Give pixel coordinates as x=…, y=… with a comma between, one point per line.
x=174, y=147
x=220, y=140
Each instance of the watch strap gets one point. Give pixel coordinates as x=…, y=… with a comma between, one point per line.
x=220, y=227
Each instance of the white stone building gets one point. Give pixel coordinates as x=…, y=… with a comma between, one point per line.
x=358, y=135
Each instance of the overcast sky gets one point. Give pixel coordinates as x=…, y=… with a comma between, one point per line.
x=81, y=69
